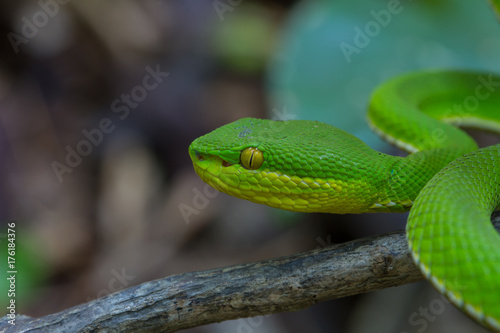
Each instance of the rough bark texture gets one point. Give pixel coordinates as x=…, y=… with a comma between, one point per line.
x=276, y=285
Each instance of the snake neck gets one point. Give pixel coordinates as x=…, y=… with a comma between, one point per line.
x=406, y=176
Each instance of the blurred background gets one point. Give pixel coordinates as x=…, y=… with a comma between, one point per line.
x=99, y=101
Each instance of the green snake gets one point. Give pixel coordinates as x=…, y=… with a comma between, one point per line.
x=449, y=185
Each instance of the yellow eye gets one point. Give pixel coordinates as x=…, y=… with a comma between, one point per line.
x=252, y=158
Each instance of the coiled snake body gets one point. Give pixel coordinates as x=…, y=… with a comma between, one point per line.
x=449, y=185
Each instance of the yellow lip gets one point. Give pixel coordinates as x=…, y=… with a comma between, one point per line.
x=209, y=168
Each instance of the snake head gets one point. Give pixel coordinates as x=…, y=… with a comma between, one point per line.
x=296, y=165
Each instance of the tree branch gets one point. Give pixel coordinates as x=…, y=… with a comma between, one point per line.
x=276, y=285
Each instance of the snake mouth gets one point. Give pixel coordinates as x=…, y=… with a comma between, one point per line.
x=203, y=157
x=215, y=171
x=212, y=169
x=200, y=159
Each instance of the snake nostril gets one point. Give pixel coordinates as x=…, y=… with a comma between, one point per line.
x=226, y=163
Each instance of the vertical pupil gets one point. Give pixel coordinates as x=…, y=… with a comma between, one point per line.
x=251, y=159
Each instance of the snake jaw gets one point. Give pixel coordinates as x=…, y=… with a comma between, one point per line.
x=200, y=158
x=213, y=169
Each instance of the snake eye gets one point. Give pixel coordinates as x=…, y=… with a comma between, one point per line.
x=251, y=158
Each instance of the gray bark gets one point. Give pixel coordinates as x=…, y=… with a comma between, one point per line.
x=276, y=285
